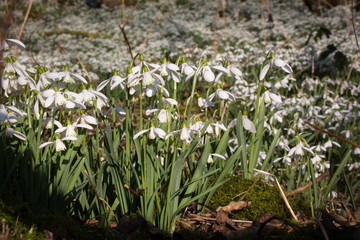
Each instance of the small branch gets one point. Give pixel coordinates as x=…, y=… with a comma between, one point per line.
x=332, y=134
x=303, y=188
x=157, y=18
x=281, y=28
x=132, y=11
x=23, y=24
x=215, y=38
x=201, y=218
x=83, y=67
x=112, y=212
x=126, y=40
x=224, y=19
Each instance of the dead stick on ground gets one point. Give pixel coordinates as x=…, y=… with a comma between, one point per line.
x=332, y=134
x=303, y=188
x=199, y=217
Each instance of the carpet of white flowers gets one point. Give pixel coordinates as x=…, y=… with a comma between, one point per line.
x=123, y=128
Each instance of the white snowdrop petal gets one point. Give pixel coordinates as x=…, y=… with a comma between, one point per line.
x=45, y=144
x=102, y=85
x=264, y=71
x=16, y=42
x=141, y=132
x=79, y=77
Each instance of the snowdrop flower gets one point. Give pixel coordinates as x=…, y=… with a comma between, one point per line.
x=10, y=117
x=188, y=70
x=229, y=71
x=298, y=150
x=59, y=145
x=330, y=144
x=198, y=126
x=207, y=74
x=153, y=133
x=87, y=119
x=169, y=101
x=224, y=95
x=5, y=44
x=269, y=96
x=10, y=133
x=219, y=126
x=211, y=160
x=357, y=151
x=148, y=79
x=204, y=103
x=248, y=125
x=54, y=98
x=355, y=165
x=70, y=78
x=285, y=159
x=118, y=110
x=316, y=161
x=116, y=81
x=170, y=71
x=162, y=116
x=347, y=133
x=185, y=134
x=69, y=130
x=278, y=63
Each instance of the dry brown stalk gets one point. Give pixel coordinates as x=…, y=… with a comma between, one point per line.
x=281, y=27
x=215, y=44
x=107, y=204
x=202, y=218
x=224, y=19
x=83, y=67
x=152, y=26
x=23, y=24
x=332, y=134
x=303, y=188
x=281, y=192
x=132, y=11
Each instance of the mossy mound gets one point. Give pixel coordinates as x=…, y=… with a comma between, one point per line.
x=264, y=198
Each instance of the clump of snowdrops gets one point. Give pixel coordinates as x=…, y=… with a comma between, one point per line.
x=131, y=144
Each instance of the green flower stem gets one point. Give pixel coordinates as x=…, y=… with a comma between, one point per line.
x=141, y=107
x=189, y=103
x=113, y=116
x=38, y=137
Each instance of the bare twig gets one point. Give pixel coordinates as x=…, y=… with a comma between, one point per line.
x=132, y=11
x=201, y=218
x=127, y=43
x=332, y=134
x=83, y=67
x=107, y=204
x=152, y=26
x=23, y=24
x=281, y=27
x=303, y=188
x=224, y=19
x=215, y=44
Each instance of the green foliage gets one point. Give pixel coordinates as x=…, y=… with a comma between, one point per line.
x=264, y=198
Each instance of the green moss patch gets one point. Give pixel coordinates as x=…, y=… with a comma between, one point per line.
x=264, y=198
